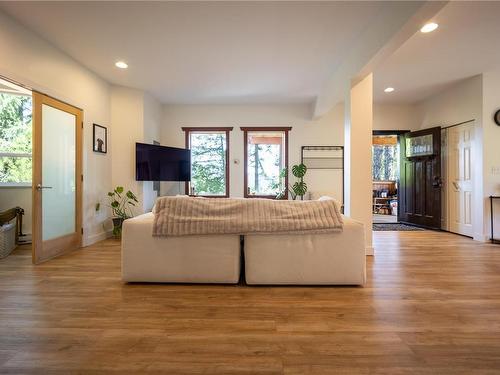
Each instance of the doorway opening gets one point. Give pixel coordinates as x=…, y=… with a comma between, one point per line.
x=16, y=115
x=385, y=176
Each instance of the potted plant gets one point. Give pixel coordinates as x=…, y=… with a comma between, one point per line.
x=121, y=206
x=299, y=188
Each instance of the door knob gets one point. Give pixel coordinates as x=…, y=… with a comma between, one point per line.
x=40, y=187
x=437, y=182
x=456, y=185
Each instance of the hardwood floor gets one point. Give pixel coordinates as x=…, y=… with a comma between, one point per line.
x=431, y=306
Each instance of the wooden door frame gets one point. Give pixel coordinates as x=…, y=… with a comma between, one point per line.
x=285, y=130
x=399, y=134
x=390, y=132
x=207, y=129
x=71, y=241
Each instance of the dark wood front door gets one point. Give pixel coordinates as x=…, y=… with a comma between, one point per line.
x=420, y=178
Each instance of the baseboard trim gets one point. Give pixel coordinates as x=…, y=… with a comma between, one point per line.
x=369, y=250
x=90, y=240
x=481, y=237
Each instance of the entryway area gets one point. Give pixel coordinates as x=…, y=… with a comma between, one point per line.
x=424, y=179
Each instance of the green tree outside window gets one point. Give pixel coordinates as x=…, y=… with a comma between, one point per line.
x=15, y=138
x=208, y=163
x=385, y=165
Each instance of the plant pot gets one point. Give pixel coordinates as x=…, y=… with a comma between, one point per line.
x=117, y=226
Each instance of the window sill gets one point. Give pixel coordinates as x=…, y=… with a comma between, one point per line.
x=265, y=196
x=6, y=185
x=208, y=196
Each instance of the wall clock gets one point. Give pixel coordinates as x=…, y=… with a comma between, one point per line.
x=496, y=117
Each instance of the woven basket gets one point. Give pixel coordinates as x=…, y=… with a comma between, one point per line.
x=7, y=239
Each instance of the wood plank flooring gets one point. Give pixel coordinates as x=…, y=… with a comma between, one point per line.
x=431, y=306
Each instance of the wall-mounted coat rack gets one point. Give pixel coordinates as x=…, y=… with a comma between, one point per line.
x=325, y=170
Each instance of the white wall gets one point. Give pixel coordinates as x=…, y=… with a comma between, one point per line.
x=127, y=122
x=153, y=117
x=153, y=113
x=136, y=117
x=18, y=196
x=327, y=130
x=30, y=60
x=395, y=117
x=458, y=103
x=358, y=156
x=491, y=149
x=385, y=117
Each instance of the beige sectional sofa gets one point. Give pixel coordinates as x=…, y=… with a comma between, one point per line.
x=313, y=259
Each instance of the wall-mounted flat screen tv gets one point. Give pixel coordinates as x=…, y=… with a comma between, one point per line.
x=161, y=163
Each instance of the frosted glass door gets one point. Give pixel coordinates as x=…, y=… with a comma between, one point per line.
x=57, y=178
x=58, y=173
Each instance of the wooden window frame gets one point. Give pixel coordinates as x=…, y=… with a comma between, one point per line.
x=187, y=132
x=245, y=130
x=19, y=155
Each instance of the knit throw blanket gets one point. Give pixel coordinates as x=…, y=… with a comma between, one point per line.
x=182, y=216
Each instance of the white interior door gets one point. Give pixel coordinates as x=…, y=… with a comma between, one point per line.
x=460, y=143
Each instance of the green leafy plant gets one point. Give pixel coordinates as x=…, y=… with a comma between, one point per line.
x=121, y=205
x=299, y=187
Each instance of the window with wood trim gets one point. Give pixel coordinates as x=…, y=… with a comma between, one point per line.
x=265, y=157
x=209, y=161
x=15, y=138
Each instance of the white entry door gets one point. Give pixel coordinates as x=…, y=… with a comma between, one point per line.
x=460, y=143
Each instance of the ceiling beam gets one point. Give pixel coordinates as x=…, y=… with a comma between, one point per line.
x=388, y=31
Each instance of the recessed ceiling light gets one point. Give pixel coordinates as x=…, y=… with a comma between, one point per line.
x=389, y=89
x=121, y=64
x=428, y=27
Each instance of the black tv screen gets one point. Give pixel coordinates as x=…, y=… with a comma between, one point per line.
x=160, y=163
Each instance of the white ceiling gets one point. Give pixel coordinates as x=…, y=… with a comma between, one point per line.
x=210, y=52
x=465, y=44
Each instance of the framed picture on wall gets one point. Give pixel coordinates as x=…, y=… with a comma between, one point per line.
x=100, y=139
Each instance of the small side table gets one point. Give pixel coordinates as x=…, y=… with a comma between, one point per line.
x=492, y=239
